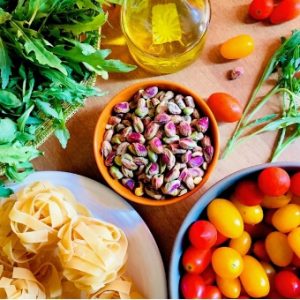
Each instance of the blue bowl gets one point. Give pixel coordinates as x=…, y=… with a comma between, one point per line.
x=216, y=191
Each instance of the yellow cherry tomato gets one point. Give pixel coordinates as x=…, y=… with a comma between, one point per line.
x=250, y=214
x=270, y=271
x=227, y=262
x=278, y=249
x=294, y=240
x=254, y=278
x=276, y=202
x=287, y=218
x=226, y=218
x=241, y=244
x=237, y=47
x=230, y=288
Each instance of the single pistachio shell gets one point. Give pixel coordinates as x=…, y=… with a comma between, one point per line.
x=138, y=124
x=187, y=111
x=129, y=183
x=140, y=161
x=106, y=148
x=126, y=172
x=114, y=120
x=196, y=172
x=187, y=143
x=122, y=107
x=196, y=162
x=170, y=129
x=153, y=193
x=156, y=145
x=208, y=153
x=139, y=149
x=172, y=174
x=168, y=96
x=127, y=162
x=174, y=108
x=109, y=161
x=152, y=156
x=117, y=139
x=150, y=92
x=135, y=137
x=115, y=173
x=157, y=181
x=197, y=136
x=202, y=124
x=168, y=158
x=189, y=181
x=126, y=131
x=184, y=174
x=171, y=140
x=122, y=148
x=151, y=130
x=108, y=135
x=206, y=141
x=162, y=118
x=185, y=158
x=189, y=101
x=171, y=187
x=152, y=169
x=179, y=101
x=141, y=111
x=141, y=103
x=197, y=180
x=185, y=128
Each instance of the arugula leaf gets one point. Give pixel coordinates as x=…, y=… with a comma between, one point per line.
x=8, y=131
x=47, y=109
x=24, y=118
x=5, y=64
x=9, y=100
x=63, y=135
x=82, y=27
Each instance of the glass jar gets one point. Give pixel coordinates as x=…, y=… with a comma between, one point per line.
x=164, y=36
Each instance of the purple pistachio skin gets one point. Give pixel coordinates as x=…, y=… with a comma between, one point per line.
x=150, y=92
x=156, y=145
x=187, y=143
x=122, y=107
x=170, y=129
x=109, y=161
x=185, y=128
x=135, y=137
x=202, y=124
x=162, y=118
x=153, y=169
x=139, y=149
x=129, y=183
x=196, y=162
x=151, y=130
x=196, y=172
x=208, y=153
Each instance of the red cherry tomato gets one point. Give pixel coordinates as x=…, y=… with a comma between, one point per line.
x=211, y=292
x=274, y=181
x=192, y=286
x=196, y=260
x=268, y=216
x=209, y=276
x=259, y=251
x=261, y=9
x=203, y=235
x=224, y=107
x=285, y=11
x=296, y=261
x=221, y=239
x=295, y=184
x=287, y=284
x=248, y=193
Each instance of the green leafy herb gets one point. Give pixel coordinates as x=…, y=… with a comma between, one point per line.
x=286, y=61
x=47, y=53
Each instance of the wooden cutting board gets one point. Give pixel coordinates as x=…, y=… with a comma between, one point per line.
x=205, y=76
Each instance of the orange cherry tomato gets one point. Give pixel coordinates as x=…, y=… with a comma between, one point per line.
x=295, y=184
x=227, y=262
x=285, y=11
x=230, y=288
x=287, y=218
x=237, y=47
x=250, y=214
x=276, y=202
x=278, y=249
x=241, y=244
x=294, y=240
x=254, y=278
x=270, y=271
x=274, y=181
x=225, y=107
x=261, y=9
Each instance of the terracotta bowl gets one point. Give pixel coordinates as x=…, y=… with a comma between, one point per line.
x=126, y=95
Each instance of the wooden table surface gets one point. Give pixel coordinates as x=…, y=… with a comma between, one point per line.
x=205, y=76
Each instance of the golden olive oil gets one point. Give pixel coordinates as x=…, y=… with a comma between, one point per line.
x=164, y=36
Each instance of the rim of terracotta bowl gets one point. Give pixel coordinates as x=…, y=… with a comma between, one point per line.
x=199, y=207
x=126, y=95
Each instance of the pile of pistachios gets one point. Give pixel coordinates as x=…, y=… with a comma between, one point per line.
x=157, y=144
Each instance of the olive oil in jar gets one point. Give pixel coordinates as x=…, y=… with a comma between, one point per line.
x=164, y=36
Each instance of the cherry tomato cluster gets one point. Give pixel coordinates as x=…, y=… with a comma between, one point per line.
x=277, y=13
x=250, y=245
